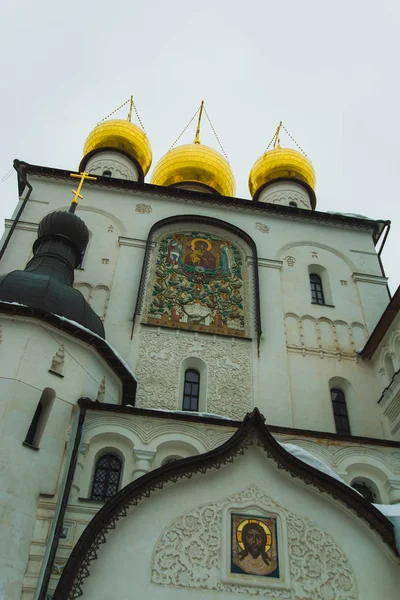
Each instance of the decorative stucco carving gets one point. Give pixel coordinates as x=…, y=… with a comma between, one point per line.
x=262, y=227
x=229, y=380
x=143, y=209
x=57, y=364
x=337, y=339
x=188, y=554
x=156, y=431
x=118, y=169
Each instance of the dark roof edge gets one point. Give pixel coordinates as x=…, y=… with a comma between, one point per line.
x=251, y=431
x=129, y=383
x=208, y=419
x=274, y=209
x=382, y=326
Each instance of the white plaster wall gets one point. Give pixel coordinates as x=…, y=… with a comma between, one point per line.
x=127, y=555
x=27, y=349
x=120, y=222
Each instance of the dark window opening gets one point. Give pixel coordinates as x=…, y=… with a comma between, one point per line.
x=340, y=411
x=364, y=490
x=30, y=436
x=317, y=294
x=107, y=173
x=40, y=417
x=293, y=203
x=191, y=390
x=106, y=477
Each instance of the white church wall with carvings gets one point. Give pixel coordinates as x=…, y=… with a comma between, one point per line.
x=183, y=533
x=229, y=367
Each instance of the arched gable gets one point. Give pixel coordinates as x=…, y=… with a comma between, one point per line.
x=251, y=437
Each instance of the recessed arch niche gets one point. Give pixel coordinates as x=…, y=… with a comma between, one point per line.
x=200, y=274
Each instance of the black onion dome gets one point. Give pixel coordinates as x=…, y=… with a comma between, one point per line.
x=66, y=224
x=46, y=283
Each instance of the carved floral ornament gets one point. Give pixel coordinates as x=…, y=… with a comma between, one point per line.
x=309, y=563
x=318, y=565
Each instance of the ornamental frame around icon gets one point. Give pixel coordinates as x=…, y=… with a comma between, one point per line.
x=275, y=520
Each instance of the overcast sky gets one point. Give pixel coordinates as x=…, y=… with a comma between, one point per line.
x=330, y=71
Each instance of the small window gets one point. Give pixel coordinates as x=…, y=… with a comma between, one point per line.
x=293, y=203
x=364, y=489
x=191, y=390
x=40, y=417
x=317, y=294
x=107, y=173
x=340, y=411
x=106, y=478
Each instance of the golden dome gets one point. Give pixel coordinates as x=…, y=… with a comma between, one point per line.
x=198, y=164
x=282, y=163
x=122, y=136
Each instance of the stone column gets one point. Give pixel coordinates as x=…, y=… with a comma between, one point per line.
x=143, y=460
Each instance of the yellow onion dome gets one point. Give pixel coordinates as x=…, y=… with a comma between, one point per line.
x=123, y=136
x=196, y=164
x=282, y=164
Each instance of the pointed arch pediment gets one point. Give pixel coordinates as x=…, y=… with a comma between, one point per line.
x=252, y=432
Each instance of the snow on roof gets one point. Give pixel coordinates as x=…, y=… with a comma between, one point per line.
x=103, y=340
x=352, y=215
x=82, y=328
x=391, y=511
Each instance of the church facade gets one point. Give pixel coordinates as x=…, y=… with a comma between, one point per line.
x=200, y=393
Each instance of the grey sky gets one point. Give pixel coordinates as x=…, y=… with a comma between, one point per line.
x=328, y=70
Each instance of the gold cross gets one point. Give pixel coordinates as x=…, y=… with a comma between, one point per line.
x=82, y=176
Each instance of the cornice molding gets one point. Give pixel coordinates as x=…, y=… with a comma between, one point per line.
x=205, y=198
x=367, y=278
x=24, y=225
x=132, y=242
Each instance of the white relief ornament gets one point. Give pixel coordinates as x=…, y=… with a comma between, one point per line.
x=262, y=227
x=290, y=261
x=143, y=209
x=188, y=554
x=229, y=389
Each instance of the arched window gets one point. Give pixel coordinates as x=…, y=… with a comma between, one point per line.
x=40, y=417
x=191, y=390
x=340, y=411
x=293, y=203
x=107, y=173
x=317, y=294
x=106, y=478
x=364, y=489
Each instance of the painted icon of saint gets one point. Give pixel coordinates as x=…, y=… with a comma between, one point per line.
x=255, y=551
x=200, y=255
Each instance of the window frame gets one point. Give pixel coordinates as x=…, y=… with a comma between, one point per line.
x=192, y=396
x=341, y=416
x=105, y=495
x=317, y=289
